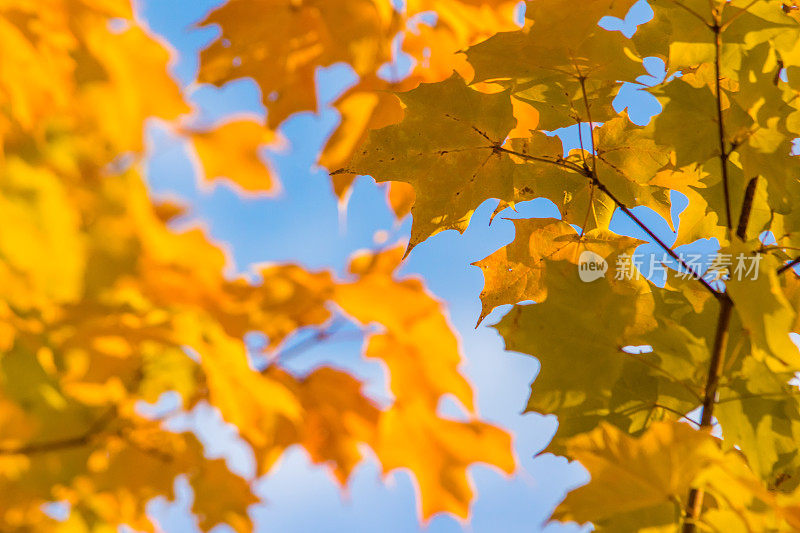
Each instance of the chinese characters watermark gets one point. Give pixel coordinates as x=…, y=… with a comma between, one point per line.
x=722, y=266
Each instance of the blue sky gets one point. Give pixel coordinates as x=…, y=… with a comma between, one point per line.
x=305, y=225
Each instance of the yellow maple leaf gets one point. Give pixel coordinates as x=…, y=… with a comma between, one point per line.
x=280, y=43
x=231, y=150
x=438, y=452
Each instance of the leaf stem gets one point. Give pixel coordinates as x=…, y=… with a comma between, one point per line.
x=723, y=152
x=738, y=14
x=582, y=80
x=560, y=162
x=597, y=183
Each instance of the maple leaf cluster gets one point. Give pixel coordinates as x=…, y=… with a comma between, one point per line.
x=103, y=305
x=718, y=351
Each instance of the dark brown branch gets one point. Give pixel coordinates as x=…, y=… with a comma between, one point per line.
x=791, y=264
x=658, y=240
x=747, y=207
x=694, y=506
x=592, y=175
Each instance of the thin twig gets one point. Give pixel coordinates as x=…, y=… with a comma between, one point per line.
x=723, y=152
x=652, y=405
x=791, y=264
x=560, y=161
x=78, y=441
x=582, y=80
x=594, y=176
x=591, y=190
x=309, y=342
x=684, y=416
x=738, y=14
x=586, y=172
x=658, y=240
x=580, y=141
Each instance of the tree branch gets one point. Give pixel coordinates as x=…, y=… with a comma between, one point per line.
x=332, y=332
x=593, y=175
x=582, y=80
x=78, y=441
x=694, y=505
x=788, y=266
x=661, y=243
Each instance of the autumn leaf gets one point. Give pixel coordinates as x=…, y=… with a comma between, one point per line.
x=558, y=58
x=449, y=147
x=231, y=150
x=606, y=381
x=652, y=472
x=281, y=43
x=337, y=418
x=369, y=105
x=438, y=452
x=105, y=305
x=765, y=314
x=517, y=272
x=418, y=344
x=118, y=95
x=422, y=356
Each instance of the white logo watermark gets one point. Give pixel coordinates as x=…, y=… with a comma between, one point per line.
x=591, y=266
